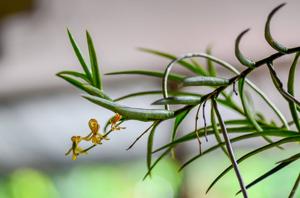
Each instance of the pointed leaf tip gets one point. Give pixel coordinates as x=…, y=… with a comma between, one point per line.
x=79, y=55
x=268, y=36
x=96, y=75
x=243, y=60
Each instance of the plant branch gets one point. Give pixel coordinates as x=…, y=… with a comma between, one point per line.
x=229, y=149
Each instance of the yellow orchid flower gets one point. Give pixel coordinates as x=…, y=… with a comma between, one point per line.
x=114, y=121
x=76, y=150
x=95, y=136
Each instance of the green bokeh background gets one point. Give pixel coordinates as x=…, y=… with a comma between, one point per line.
x=124, y=179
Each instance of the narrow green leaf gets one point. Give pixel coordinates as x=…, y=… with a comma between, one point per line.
x=272, y=171
x=294, y=157
x=174, y=77
x=83, y=86
x=197, y=70
x=269, y=103
x=157, y=92
x=178, y=120
x=135, y=94
x=196, y=64
x=245, y=122
x=150, y=146
x=254, y=152
x=155, y=163
x=79, y=56
x=248, y=111
x=132, y=113
x=231, y=103
x=178, y=100
x=241, y=138
x=75, y=74
x=290, y=83
x=267, y=131
x=225, y=103
x=210, y=65
x=261, y=117
x=72, y=81
x=238, y=122
x=96, y=92
x=205, y=81
x=110, y=105
x=94, y=63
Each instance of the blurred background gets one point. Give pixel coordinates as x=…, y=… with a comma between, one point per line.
x=40, y=112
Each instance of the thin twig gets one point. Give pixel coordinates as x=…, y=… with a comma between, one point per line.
x=140, y=136
x=229, y=149
x=111, y=130
x=204, y=121
x=296, y=185
x=234, y=88
x=196, y=128
x=89, y=148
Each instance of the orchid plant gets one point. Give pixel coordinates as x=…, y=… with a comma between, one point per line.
x=223, y=91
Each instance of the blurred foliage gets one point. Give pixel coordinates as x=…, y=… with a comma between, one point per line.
x=124, y=180
x=93, y=181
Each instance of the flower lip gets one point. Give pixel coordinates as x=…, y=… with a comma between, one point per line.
x=94, y=126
